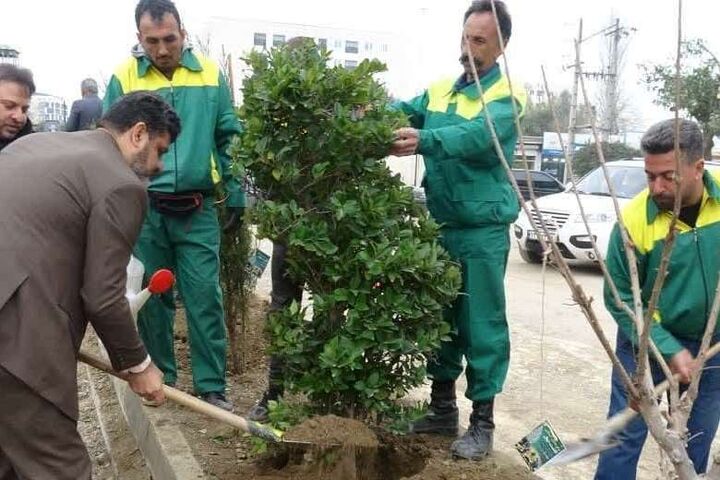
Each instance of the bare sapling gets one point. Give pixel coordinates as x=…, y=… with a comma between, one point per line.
x=671, y=436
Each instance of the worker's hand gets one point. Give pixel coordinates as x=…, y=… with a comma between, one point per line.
x=235, y=216
x=406, y=142
x=683, y=364
x=148, y=384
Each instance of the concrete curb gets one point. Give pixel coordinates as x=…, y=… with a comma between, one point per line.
x=162, y=443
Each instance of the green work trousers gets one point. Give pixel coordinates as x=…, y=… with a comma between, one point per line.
x=189, y=246
x=480, y=329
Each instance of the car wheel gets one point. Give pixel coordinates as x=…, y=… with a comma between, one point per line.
x=529, y=256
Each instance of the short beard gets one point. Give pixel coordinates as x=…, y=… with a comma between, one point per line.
x=139, y=164
x=664, y=202
x=479, y=67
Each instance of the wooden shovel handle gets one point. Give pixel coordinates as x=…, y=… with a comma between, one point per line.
x=194, y=403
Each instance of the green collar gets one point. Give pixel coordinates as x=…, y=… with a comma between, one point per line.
x=470, y=90
x=712, y=190
x=187, y=60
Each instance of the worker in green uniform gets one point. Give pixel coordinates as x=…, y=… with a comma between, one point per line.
x=181, y=230
x=468, y=193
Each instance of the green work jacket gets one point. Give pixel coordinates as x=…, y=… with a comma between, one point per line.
x=199, y=94
x=689, y=288
x=465, y=184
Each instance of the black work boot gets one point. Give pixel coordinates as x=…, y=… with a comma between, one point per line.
x=477, y=442
x=217, y=399
x=259, y=411
x=442, y=415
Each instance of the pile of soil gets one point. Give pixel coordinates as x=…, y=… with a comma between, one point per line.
x=330, y=430
x=415, y=457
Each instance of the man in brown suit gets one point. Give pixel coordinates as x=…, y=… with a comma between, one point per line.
x=71, y=207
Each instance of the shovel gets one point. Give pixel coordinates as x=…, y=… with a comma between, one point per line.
x=197, y=405
x=607, y=437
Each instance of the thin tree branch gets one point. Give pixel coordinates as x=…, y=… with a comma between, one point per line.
x=702, y=357
x=578, y=293
x=675, y=408
x=627, y=242
x=644, y=381
x=601, y=261
x=671, y=441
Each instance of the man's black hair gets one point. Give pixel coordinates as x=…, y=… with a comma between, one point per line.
x=21, y=76
x=660, y=138
x=142, y=106
x=503, y=16
x=157, y=9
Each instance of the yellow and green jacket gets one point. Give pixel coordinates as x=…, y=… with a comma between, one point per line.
x=199, y=94
x=689, y=288
x=465, y=183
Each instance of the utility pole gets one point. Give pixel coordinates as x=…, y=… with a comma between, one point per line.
x=610, y=123
x=573, y=106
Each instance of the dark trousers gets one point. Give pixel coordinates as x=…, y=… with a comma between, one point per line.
x=37, y=440
x=620, y=462
x=284, y=291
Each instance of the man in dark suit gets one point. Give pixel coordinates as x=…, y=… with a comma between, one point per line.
x=85, y=112
x=72, y=207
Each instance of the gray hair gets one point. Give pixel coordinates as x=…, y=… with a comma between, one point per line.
x=660, y=138
x=89, y=85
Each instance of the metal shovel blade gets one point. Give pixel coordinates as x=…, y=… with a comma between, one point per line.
x=603, y=440
x=579, y=450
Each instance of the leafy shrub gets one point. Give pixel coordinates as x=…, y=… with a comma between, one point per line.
x=313, y=142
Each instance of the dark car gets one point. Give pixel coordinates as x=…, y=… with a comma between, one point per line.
x=543, y=183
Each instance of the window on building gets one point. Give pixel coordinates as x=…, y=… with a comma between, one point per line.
x=351, y=46
x=278, y=40
x=322, y=43
x=260, y=40
x=368, y=46
x=350, y=64
x=384, y=47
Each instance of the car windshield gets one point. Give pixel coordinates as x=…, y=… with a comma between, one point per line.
x=627, y=181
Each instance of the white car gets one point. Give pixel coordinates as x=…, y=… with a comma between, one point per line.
x=561, y=213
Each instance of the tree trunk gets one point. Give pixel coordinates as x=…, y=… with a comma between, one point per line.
x=708, y=135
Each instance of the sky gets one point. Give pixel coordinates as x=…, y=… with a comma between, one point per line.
x=64, y=42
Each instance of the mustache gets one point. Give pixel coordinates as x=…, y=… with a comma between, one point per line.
x=465, y=58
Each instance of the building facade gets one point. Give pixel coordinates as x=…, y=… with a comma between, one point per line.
x=348, y=47
x=9, y=55
x=48, y=112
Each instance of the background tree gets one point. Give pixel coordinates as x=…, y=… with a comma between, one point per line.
x=538, y=117
x=236, y=279
x=587, y=158
x=368, y=255
x=699, y=87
